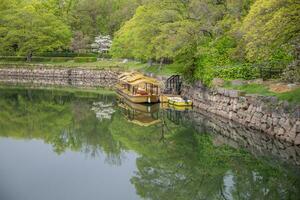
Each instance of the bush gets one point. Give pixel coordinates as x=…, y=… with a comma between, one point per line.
x=85, y=59
x=244, y=71
x=12, y=58
x=67, y=54
x=61, y=59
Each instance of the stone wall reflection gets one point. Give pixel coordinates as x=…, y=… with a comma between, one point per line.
x=236, y=135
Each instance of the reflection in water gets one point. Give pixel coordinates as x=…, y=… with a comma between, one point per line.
x=181, y=154
x=140, y=114
x=102, y=110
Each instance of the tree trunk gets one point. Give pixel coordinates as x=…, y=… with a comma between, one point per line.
x=150, y=62
x=160, y=64
x=29, y=56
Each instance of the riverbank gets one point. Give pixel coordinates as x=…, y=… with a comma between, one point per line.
x=266, y=114
x=118, y=64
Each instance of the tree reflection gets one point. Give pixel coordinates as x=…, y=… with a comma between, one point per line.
x=175, y=161
x=186, y=165
x=64, y=120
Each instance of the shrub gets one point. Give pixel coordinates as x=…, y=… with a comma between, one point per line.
x=67, y=54
x=12, y=58
x=244, y=71
x=85, y=59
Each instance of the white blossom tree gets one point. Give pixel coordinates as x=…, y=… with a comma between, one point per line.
x=102, y=44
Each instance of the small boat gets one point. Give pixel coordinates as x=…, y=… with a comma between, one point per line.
x=178, y=101
x=138, y=88
x=180, y=108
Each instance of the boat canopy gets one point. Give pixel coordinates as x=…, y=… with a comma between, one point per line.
x=146, y=81
x=135, y=78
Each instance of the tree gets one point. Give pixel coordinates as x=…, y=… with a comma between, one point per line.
x=146, y=35
x=31, y=29
x=272, y=27
x=79, y=42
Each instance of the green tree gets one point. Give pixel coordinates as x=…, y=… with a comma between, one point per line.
x=271, y=28
x=31, y=28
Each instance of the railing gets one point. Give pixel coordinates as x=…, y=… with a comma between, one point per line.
x=271, y=70
x=173, y=85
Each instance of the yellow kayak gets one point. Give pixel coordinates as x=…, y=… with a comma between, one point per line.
x=178, y=101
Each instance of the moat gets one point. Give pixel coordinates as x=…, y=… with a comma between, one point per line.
x=77, y=144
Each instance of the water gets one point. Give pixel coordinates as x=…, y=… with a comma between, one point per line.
x=87, y=145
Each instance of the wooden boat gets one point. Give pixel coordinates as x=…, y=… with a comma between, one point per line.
x=178, y=101
x=138, y=88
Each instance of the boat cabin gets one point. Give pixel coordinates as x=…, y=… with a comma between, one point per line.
x=139, y=88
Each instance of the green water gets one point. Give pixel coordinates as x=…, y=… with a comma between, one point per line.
x=87, y=145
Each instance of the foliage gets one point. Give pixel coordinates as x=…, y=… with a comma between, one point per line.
x=271, y=28
x=66, y=54
x=35, y=59
x=199, y=36
x=292, y=72
x=207, y=73
x=245, y=71
x=79, y=42
x=30, y=28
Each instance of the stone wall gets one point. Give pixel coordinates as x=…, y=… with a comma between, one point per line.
x=265, y=114
x=60, y=77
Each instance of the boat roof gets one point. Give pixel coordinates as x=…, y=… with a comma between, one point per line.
x=135, y=78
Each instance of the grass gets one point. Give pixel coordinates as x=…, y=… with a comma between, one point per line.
x=291, y=96
x=163, y=70
x=71, y=64
x=102, y=64
x=252, y=89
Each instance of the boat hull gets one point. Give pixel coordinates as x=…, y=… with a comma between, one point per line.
x=139, y=99
x=176, y=103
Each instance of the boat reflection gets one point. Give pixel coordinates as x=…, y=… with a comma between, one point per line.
x=140, y=114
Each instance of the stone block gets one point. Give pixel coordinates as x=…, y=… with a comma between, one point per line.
x=281, y=121
x=235, y=93
x=298, y=127
x=238, y=82
x=275, y=120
